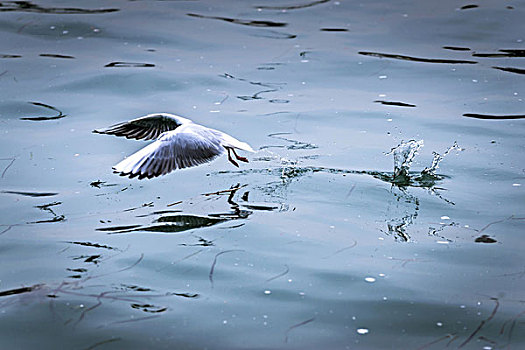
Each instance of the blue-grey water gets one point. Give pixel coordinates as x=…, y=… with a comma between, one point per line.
x=321, y=241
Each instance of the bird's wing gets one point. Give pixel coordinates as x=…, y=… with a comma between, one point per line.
x=174, y=150
x=148, y=127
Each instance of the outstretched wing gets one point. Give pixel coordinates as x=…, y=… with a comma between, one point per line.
x=174, y=150
x=148, y=127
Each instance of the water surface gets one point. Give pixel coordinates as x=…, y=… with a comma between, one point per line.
x=321, y=241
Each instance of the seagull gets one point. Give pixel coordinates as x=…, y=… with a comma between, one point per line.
x=179, y=143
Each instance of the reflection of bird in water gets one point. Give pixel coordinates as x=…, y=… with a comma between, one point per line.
x=180, y=143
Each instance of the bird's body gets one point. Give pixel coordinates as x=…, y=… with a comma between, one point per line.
x=180, y=143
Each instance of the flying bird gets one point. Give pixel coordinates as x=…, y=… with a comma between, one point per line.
x=179, y=143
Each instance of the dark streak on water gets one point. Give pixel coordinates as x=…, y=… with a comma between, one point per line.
x=53, y=55
x=31, y=194
x=295, y=326
x=293, y=7
x=415, y=59
x=60, y=115
x=129, y=65
x=9, y=56
x=511, y=70
x=58, y=218
x=253, y=23
x=28, y=6
x=334, y=30
x=89, y=258
x=186, y=295
x=117, y=228
x=48, y=206
x=94, y=245
x=485, y=239
x=103, y=342
x=255, y=96
x=393, y=103
x=149, y=308
x=20, y=290
x=80, y=270
x=502, y=53
x=456, y=48
x=468, y=7
x=495, y=117
x=135, y=288
x=273, y=34
x=99, y=184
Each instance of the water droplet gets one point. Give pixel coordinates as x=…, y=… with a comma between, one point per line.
x=445, y=217
x=383, y=77
x=267, y=292
x=516, y=185
x=224, y=322
x=370, y=279
x=439, y=324
x=362, y=331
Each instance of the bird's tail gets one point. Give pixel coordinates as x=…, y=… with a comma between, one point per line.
x=234, y=143
x=244, y=146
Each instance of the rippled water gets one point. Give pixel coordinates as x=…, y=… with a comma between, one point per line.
x=331, y=237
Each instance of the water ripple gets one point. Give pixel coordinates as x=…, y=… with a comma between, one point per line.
x=244, y=22
x=415, y=59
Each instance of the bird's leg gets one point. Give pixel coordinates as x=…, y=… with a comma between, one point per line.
x=230, y=157
x=242, y=159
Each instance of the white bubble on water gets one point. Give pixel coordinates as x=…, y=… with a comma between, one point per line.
x=362, y=331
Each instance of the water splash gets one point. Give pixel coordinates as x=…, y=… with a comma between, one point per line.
x=404, y=155
x=437, y=159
